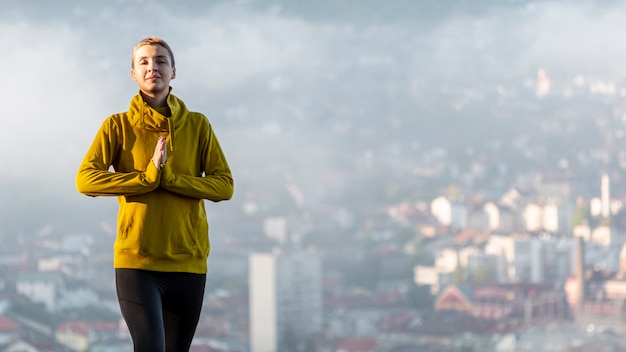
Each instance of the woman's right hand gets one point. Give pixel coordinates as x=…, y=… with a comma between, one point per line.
x=160, y=152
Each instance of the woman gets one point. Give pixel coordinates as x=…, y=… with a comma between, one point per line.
x=166, y=160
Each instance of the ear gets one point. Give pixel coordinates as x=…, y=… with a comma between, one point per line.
x=173, y=72
x=132, y=75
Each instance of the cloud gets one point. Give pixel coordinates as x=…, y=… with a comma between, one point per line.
x=224, y=52
x=585, y=37
x=48, y=96
x=64, y=75
x=63, y=78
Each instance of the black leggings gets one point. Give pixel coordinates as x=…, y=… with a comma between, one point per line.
x=161, y=309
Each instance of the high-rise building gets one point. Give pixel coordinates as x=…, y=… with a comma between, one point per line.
x=285, y=299
x=605, y=195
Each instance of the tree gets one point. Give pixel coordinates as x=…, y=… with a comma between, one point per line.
x=458, y=275
x=484, y=274
x=420, y=297
x=580, y=215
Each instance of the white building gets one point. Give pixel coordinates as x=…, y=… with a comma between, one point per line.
x=459, y=216
x=529, y=260
x=447, y=260
x=602, y=235
x=441, y=209
x=501, y=217
x=533, y=219
x=454, y=214
x=493, y=214
x=503, y=246
x=427, y=276
x=547, y=216
x=551, y=219
x=285, y=298
x=582, y=230
x=276, y=228
x=478, y=219
x=44, y=288
x=19, y=345
x=542, y=259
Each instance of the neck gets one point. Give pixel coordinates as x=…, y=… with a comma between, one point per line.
x=155, y=100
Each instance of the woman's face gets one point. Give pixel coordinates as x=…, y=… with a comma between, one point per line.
x=152, y=69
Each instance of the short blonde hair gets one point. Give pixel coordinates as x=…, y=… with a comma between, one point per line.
x=153, y=41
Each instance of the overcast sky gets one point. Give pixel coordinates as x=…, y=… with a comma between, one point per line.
x=64, y=74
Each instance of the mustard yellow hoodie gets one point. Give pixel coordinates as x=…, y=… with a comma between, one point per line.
x=162, y=222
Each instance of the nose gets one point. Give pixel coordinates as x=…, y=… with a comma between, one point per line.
x=152, y=67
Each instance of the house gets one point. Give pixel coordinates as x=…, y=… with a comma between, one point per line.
x=356, y=344
x=18, y=346
x=9, y=330
x=78, y=335
x=112, y=345
x=596, y=297
x=41, y=287
x=498, y=302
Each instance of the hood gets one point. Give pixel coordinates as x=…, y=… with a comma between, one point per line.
x=143, y=116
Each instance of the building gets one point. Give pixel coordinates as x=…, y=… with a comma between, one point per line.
x=536, y=259
x=43, y=288
x=483, y=267
x=356, y=344
x=18, y=345
x=454, y=214
x=285, y=299
x=596, y=297
x=547, y=214
x=9, y=330
x=79, y=335
x=503, y=301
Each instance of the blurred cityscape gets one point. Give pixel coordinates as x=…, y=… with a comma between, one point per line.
x=419, y=189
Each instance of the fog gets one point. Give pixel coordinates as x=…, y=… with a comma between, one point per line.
x=294, y=93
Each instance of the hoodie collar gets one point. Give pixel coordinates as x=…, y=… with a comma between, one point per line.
x=143, y=116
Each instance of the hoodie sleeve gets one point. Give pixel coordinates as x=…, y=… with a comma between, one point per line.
x=216, y=184
x=95, y=179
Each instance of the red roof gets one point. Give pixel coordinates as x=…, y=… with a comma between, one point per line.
x=335, y=302
x=390, y=297
x=602, y=308
x=356, y=344
x=7, y=325
x=83, y=327
x=396, y=322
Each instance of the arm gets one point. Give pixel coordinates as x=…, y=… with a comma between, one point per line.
x=95, y=179
x=216, y=184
